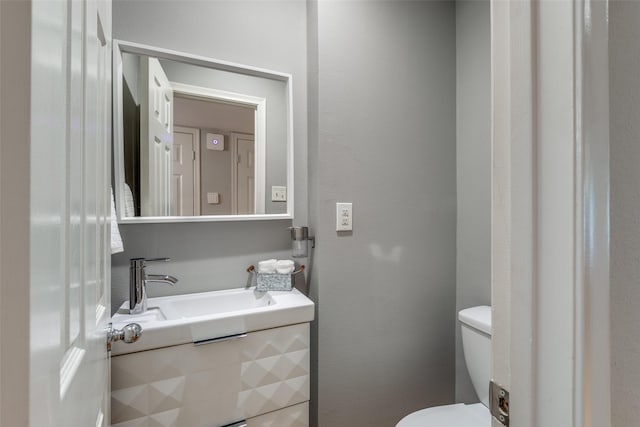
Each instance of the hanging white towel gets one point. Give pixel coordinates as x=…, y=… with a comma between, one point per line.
x=129, y=205
x=116, y=240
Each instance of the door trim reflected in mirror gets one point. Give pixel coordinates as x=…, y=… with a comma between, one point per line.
x=258, y=103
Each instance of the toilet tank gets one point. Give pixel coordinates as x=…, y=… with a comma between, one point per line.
x=476, y=342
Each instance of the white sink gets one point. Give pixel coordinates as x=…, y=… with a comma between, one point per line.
x=213, y=303
x=204, y=316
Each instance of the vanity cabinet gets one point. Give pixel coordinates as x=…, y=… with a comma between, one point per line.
x=262, y=377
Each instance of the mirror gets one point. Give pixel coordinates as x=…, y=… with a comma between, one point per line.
x=197, y=139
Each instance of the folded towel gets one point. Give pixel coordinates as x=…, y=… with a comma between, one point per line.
x=267, y=266
x=285, y=266
x=116, y=240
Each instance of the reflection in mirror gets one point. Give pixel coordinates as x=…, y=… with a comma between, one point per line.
x=199, y=138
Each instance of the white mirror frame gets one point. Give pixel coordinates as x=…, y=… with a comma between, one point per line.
x=119, y=47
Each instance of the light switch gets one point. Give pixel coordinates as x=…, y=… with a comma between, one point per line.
x=213, y=198
x=344, y=217
x=278, y=194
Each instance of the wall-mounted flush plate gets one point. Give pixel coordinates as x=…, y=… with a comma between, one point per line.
x=344, y=217
x=278, y=194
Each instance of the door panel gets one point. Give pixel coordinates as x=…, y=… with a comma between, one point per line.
x=156, y=138
x=245, y=180
x=184, y=197
x=550, y=224
x=70, y=260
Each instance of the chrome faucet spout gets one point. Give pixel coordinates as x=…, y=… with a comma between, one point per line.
x=138, y=279
x=161, y=278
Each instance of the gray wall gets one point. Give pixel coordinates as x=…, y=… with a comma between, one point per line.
x=215, y=175
x=224, y=117
x=382, y=135
x=265, y=34
x=625, y=210
x=473, y=124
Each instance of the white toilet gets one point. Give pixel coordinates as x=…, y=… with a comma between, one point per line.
x=476, y=342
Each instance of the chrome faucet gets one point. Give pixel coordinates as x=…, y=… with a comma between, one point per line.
x=138, y=279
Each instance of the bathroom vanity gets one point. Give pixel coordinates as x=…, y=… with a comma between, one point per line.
x=224, y=358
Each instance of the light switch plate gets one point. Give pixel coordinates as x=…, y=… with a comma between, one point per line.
x=213, y=198
x=278, y=194
x=344, y=217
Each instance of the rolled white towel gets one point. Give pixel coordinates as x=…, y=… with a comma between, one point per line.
x=285, y=266
x=267, y=266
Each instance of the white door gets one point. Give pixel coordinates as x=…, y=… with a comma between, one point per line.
x=244, y=174
x=185, y=188
x=550, y=185
x=156, y=132
x=69, y=225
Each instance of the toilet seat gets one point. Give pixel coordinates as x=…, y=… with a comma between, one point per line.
x=458, y=415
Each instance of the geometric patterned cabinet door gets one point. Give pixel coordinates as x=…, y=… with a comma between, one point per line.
x=293, y=416
x=215, y=384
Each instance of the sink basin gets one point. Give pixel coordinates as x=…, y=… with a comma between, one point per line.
x=207, y=316
x=213, y=303
x=153, y=314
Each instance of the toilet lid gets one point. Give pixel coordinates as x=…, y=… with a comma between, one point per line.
x=458, y=415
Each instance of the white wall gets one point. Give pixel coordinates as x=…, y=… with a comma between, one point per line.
x=473, y=166
x=382, y=135
x=625, y=211
x=266, y=34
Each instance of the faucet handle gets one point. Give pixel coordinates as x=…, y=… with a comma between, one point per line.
x=158, y=260
x=140, y=263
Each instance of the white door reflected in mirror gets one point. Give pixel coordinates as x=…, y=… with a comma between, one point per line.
x=156, y=139
x=187, y=128
x=186, y=171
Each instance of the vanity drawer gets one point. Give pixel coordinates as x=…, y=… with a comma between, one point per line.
x=293, y=416
x=214, y=384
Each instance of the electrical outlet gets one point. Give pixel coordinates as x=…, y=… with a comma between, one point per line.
x=278, y=194
x=344, y=217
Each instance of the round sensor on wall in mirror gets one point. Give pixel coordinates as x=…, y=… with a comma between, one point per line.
x=215, y=141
